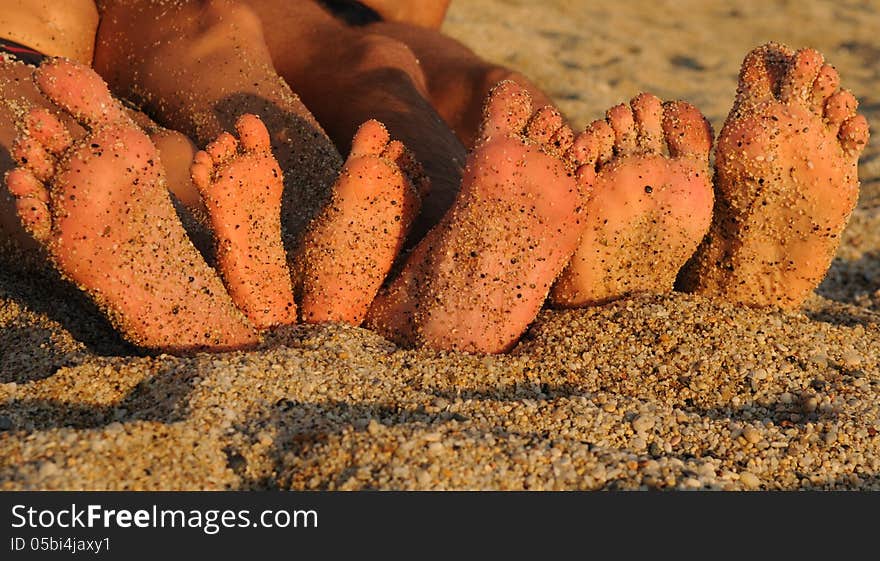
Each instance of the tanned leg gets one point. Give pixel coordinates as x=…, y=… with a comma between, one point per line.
x=457, y=80
x=347, y=76
x=197, y=67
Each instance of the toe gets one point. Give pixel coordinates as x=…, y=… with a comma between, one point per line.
x=23, y=184
x=584, y=149
x=222, y=148
x=620, y=117
x=760, y=73
x=370, y=139
x=854, y=135
x=32, y=155
x=543, y=125
x=562, y=140
x=32, y=202
x=35, y=218
x=797, y=83
x=585, y=176
x=397, y=152
x=45, y=128
x=413, y=170
x=595, y=145
x=201, y=170
x=840, y=107
x=687, y=132
x=648, y=113
x=393, y=150
x=824, y=86
x=252, y=133
x=506, y=112
x=80, y=91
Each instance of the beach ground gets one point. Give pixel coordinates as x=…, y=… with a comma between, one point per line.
x=670, y=392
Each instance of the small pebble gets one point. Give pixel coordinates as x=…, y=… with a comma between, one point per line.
x=643, y=423
x=751, y=434
x=750, y=480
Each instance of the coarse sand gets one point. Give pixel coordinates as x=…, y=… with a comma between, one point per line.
x=674, y=392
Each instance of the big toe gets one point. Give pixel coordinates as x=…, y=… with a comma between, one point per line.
x=506, y=112
x=253, y=134
x=761, y=73
x=370, y=139
x=80, y=91
x=687, y=132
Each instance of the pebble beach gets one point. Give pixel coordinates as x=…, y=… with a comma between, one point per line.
x=672, y=392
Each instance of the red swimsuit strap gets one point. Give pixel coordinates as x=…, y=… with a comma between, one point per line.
x=18, y=51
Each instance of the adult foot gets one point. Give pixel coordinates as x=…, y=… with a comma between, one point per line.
x=352, y=245
x=100, y=207
x=482, y=274
x=786, y=178
x=241, y=184
x=648, y=211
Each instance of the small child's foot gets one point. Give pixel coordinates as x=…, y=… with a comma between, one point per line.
x=786, y=177
x=100, y=207
x=648, y=211
x=241, y=185
x=477, y=280
x=352, y=245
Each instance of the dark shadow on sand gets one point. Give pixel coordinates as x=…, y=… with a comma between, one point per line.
x=44, y=292
x=28, y=354
x=303, y=427
x=854, y=289
x=160, y=398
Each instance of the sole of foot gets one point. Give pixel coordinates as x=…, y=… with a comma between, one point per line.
x=241, y=184
x=651, y=204
x=479, y=277
x=786, y=181
x=351, y=247
x=100, y=207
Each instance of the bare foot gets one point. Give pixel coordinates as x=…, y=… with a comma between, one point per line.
x=648, y=211
x=100, y=207
x=241, y=184
x=786, y=180
x=482, y=274
x=352, y=245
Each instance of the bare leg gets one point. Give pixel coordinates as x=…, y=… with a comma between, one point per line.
x=346, y=77
x=197, y=67
x=457, y=80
